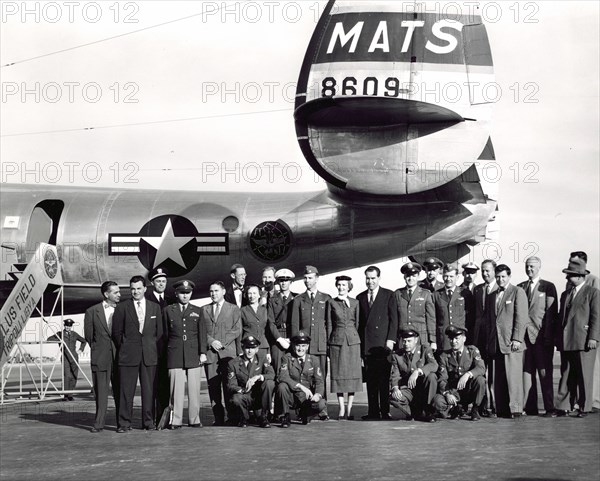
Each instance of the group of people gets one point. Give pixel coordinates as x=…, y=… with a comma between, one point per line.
x=430, y=349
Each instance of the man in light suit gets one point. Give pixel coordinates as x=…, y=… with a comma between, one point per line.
x=236, y=293
x=414, y=308
x=97, y=329
x=539, y=338
x=137, y=332
x=453, y=307
x=308, y=315
x=506, y=321
x=378, y=331
x=223, y=329
x=577, y=335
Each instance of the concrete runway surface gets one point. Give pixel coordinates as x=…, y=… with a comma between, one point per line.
x=51, y=440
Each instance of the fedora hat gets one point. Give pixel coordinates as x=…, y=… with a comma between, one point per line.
x=576, y=267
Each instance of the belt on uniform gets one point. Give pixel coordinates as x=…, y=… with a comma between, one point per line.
x=184, y=337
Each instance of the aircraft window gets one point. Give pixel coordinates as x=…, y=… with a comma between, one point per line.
x=231, y=223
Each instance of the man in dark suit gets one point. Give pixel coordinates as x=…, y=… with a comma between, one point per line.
x=308, y=315
x=137, y=332
x=378, y=331
x=453, y=307
x=432, y=267
x=461, y=377
x=413, y=382
x=157, y=294
x=70, y=357
x=301, y=384
x=577, y=335
x=506, y=321
x=97, y=329
x=236, y=293
x=223, y=329
x=539, y=338
x=187, y=343
x=250, y=381
x=413, y=306
x=279, y=304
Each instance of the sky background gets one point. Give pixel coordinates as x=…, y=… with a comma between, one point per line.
x=170, y=101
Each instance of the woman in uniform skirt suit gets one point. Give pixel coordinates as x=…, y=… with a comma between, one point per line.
x=344, y=345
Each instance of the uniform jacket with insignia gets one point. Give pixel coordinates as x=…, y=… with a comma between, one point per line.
x=403, y=365
x=581, y=324
x=70, y=339
x=416, y=313
x=310, y=317
x=378, y=323
x=309, y=375
x=98, y=336
x=456, y=311
x=257, y=324
x=543, y=309
x=342, y=322
x=510, y=322
x=226, y=329
x=424, y=284
x=186, y=336
x=134, y=347
x=280, y=313
x=450, y=370
x=238, y=373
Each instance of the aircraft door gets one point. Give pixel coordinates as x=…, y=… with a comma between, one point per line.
x=43, y=225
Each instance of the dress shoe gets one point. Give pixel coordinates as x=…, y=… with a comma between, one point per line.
x=174, y=427
x=475, y=414
x=122, y=430
x=341, y=418
x=532, y=412
x=243, y=424
x=442, y=415
x=264, y=423
x=350, y=418
x=305, y=420
x=150, y=428
x=561, y=413
x=581, y=414
x=456, y=412
x=549, y=414
x=427, y=418
x=129, y=428
x=285, y=421
x=515, y=415
x=487, y=413
x=70, y=398
x=324, y=417
x=371, y=417
x=387, y=417
x=199, y=425
x=96, y=430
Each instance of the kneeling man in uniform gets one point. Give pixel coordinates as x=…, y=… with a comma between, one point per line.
x=301, y=383
x=413, y=382
x=250, y=382
x=460, y=377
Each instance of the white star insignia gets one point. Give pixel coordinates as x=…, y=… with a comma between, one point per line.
x=168, y=245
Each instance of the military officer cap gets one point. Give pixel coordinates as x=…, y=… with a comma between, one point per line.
x=156, y=273
x=284, y=275
x=404, y=333
x=433, y=263
x=184, y=286
x=470, y=267
x=68, y=322
x=454, y=331
x=311, y=270
x=250, y=341
x=411, y=268
x=301, y=338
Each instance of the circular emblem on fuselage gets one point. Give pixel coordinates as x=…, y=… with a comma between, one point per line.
x=271, y=241
x=50, y=264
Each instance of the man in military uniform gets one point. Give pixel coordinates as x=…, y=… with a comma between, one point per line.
x=308, y=315
x=70, y=356
x=157, y=294
x=187, y=342
x=413, y=306
x=461, y=377
x=432, y=266
x=279, y=304
x=413, y=381
x=453, y=306
x=301, y=384
x=539, y=338
x=469, y=272
x=250, y=381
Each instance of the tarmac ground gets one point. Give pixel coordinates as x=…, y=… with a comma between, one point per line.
x=51, y=440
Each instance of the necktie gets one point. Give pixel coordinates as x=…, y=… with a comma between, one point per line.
x=499, y=296
x=301, y=361
x=410, y=291
x=486, y=292
x=216, y=311
x=140, y=314
x=528, y=290
x=182, y=306
x=161, y=301
x=449, y=293
x=457, y=356
x=109, y=320
x=568, y=303
x=409, y=357
x=312, y=297
x=370, y=300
